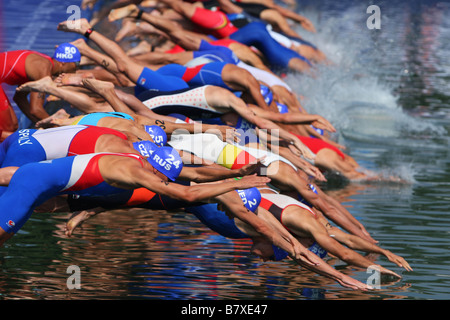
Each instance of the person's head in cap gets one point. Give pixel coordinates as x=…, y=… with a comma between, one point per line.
x=251, y=198
x=266, y=93
x=165, y=160
x=267, y=251
x=158, y=135
x=282, y=108
x=145, y=147
x=68, y=56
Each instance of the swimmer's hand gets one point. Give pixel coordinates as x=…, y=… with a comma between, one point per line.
x=385, y=271
x=307, y=25
x=251, y=168
x=324, y=124
x=229, y=134
x=305, y=257
x=251, y=181
x=299, y=149
x=349, y=282
x=311, y=170
x=397, y=260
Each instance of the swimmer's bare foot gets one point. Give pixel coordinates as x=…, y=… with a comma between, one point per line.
x=85, y=61
x=120, y=13
x=81, y=45
x=53, y=120
x=76, y=220
x=73, y=79
x=40, y=85
x=77, y=26
x=128, y=29
x=142, y=47
x=97, y=86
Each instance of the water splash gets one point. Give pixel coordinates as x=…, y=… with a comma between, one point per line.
x=353, y=92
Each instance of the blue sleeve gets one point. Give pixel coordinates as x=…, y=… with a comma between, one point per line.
x=205, y=45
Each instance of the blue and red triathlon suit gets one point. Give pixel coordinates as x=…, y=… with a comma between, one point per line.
x=36, y=182
x=32, y=145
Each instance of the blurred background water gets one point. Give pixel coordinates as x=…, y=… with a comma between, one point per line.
x=387, y=94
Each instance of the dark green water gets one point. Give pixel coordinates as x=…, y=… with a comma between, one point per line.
x=387, y=93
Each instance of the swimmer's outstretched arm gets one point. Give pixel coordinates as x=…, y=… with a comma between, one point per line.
x=274, y=130
x=224, y=132
x=301, y=164
x=233, y=203
x=294, y=118
x=357, y=243
x=210, y=173
x=145, y=116
x=132, y=176
x=302, y=20
x=297, y=147
x=309, y=225
x=304, y=257
x=300, y=251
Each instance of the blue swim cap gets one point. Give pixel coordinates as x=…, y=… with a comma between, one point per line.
x=278, y=253
x=282, y=108
x=318, y=250
x=166, y=160
x=251, y=198
x=319, y=131
x=266, y=93
x=158, y=135
x=145, y=147
x=67, y=52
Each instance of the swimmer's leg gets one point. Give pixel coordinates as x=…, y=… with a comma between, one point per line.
x=79, y=100
x=31, y=185
x=124, y=63
x=59, y=118
x=102, y=60
x=184, y=8
x=286, y=178
x=183, y=37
